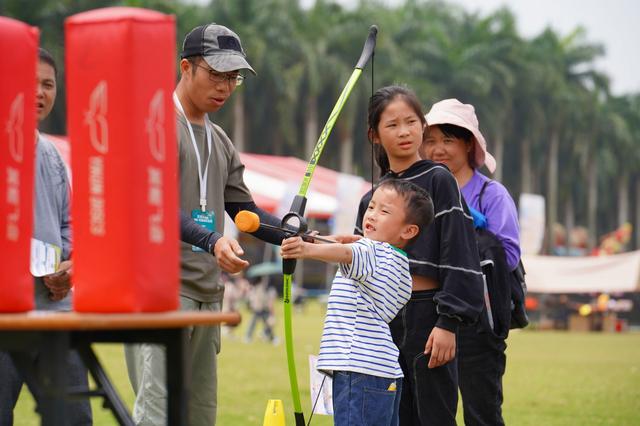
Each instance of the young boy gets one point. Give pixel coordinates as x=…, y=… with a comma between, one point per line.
x=371, y=286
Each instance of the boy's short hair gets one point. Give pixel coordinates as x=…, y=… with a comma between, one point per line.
x=417, y=201
x=47, y=58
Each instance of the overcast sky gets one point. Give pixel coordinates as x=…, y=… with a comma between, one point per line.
x=614, y=23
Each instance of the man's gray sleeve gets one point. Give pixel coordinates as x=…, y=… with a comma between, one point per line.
x=65, y=223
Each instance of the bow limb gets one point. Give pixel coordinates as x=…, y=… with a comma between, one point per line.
x=295, y=217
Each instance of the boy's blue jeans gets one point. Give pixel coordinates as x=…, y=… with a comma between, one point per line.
x=364, y=400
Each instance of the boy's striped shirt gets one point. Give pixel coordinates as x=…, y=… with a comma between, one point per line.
x=365, y=296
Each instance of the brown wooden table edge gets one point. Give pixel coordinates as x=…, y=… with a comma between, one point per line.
x=47, y=320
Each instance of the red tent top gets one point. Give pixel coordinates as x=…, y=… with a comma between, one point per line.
x=272, y=178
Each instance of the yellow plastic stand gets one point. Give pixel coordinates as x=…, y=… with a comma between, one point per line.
x=274, y=414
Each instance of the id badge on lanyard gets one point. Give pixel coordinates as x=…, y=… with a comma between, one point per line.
x=202, y=217
x=206, y=219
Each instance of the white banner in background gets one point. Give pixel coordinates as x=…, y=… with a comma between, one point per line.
x=586, y=274
x=348, y=196
x=532, y=222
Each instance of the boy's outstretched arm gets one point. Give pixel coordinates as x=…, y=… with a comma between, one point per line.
x=296, y=248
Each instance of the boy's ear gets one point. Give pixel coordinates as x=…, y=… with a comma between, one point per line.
x=409, y=231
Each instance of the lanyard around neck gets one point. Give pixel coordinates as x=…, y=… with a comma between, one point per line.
x=202, y=178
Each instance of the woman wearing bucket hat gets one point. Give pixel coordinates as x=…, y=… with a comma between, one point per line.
x=455, y=140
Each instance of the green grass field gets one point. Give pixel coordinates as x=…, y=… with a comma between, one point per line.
x=553, y=378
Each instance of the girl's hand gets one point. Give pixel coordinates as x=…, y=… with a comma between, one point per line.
x=292, y=248
x=442, y=347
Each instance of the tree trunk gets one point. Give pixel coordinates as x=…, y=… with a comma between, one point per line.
x=498, y=153
x=569, y=219
x=637, y=224
x=310, y=125
x=592, y=200
x=238, y=121
x=623, y=199
x=552, y=187
x=345, y=136
x=526, y=185
x=273, y=134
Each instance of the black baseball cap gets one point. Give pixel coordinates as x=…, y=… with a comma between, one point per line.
x=218, y=45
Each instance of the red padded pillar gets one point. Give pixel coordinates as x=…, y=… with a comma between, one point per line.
x=19, y=42
x=120, y=66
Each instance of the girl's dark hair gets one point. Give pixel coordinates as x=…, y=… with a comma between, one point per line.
x=377, y=104
x=47, y=58
x=417, y=202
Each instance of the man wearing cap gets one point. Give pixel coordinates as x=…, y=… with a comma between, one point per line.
x=211, y=182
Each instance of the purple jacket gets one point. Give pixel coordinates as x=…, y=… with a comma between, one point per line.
x=500, y=211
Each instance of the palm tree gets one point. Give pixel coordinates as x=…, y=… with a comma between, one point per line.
x=528, y=114
x=631, y=113
x=317, y=30
x=267, y=31
x=623, y=149
x=476, y=62
x=567, y=65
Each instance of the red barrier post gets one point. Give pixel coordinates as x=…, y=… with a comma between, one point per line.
x=19, y=44
x=120, y=66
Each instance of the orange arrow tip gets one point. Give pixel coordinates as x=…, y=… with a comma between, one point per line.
x=247, y=221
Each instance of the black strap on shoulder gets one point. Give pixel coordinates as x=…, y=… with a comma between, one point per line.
x=484, y=186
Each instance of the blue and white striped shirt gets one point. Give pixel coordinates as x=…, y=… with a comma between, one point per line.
x=365, y=296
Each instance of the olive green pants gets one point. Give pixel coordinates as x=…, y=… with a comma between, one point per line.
x=147, y=373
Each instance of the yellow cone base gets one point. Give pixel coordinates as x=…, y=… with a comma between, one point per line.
x=274, y=414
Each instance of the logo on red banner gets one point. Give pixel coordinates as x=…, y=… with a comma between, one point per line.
x=14, y=128
x=155, y=177
x=16, y=151
x=155, y=126
x=96, y=119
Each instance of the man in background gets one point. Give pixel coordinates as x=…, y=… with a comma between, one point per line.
x=51, y=226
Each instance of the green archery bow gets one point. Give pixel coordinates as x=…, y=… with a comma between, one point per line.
x=295, y=217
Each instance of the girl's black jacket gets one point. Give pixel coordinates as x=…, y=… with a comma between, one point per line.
x=447, y=250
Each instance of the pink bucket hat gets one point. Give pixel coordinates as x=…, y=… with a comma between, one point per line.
x=452, y=111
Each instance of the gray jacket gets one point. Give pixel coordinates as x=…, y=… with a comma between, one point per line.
x=51, y=213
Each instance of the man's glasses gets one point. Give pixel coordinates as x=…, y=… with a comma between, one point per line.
x=216, y=77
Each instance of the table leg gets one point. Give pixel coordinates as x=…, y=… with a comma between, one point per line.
x=178, y=376
x=54, y=349
x=105, y=387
